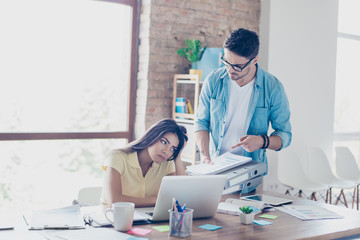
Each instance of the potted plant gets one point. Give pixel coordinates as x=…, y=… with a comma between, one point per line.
x=246, y=215
x=193, y=52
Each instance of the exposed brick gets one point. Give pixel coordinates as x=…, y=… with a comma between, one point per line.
x=164, y=27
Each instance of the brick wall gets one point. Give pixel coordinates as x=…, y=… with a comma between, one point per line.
x=164, y=27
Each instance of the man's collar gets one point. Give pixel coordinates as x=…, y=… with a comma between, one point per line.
x=259, y=77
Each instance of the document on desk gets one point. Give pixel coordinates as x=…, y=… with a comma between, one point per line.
x=85, y=234
x=222, y=163
x=61, y=218
x=231, y=206
x=308, y=212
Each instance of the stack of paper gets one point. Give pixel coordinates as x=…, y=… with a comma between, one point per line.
x=85, y=234
x=222, y=163
x=61, y=218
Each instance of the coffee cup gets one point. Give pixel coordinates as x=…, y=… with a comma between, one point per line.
x=123, y=214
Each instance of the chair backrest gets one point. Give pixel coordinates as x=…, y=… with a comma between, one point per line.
x=346, y=165
x=319, y=169
x=291, y=172
x=89, y=196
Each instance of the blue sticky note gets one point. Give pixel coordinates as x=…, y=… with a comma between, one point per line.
x=137, y=238
x=210, y=227
x=262, y=222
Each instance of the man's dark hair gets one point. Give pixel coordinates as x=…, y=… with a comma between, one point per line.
x=243, y=42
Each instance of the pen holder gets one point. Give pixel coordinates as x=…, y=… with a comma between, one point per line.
x=180, y=223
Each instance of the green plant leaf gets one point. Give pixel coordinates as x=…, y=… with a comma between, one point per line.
x=246, y=209
x=193, y=51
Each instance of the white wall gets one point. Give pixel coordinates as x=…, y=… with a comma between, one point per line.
x=298, y=46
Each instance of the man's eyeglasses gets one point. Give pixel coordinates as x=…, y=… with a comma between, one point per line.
x=237, y=68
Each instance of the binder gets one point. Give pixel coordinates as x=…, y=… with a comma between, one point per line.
x=243, y=185
x=244, y=172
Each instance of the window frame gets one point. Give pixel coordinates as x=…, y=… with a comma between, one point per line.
x=341, y=137
x=129, y=134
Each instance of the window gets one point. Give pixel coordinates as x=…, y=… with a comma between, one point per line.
x=67, y=81
x=347, y=114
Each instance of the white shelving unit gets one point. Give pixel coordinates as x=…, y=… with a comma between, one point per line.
x=190, y=152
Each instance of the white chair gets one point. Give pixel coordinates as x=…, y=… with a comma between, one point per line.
x=89, y=196
x=319, y=170
x=347, y=168
x=291, y=174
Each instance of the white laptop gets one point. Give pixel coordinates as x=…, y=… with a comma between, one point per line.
x=201, y=193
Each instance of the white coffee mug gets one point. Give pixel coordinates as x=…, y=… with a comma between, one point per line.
x=123, y=214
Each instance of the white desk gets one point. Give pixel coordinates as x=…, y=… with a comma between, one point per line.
x=284, y=227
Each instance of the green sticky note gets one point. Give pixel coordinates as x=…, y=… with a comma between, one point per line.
x=162, y=228
x=268, y=216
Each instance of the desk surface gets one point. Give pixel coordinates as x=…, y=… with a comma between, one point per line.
x=284, y=227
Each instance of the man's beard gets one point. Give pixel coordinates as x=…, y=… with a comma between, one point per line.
x=239, y=75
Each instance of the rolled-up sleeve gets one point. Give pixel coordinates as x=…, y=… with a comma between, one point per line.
x=280, y=116
x=203, y=111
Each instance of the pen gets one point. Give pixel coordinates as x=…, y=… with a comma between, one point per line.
x=184, y=207
x=175, y=209
x=178, y=206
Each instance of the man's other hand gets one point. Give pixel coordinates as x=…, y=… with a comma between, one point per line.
x=250, y=143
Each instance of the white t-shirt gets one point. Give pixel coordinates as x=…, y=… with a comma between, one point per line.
x=239, y=101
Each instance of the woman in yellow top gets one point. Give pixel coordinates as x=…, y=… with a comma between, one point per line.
x=134, y=173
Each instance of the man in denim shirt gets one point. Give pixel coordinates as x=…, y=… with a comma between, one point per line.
x=237, y=103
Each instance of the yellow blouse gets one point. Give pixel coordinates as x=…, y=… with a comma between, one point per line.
x=132, y=181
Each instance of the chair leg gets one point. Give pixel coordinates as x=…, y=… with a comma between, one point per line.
x=353, y=198
x=327, y=196
x=338, y=198
x=357, y=200
x=330, y=192
x=342, y=192
x=313, y=196
x=343, y=195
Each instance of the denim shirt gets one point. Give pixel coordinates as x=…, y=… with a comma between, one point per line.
x=268, y=103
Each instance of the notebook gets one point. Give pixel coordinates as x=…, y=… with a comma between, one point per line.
x=201, y=193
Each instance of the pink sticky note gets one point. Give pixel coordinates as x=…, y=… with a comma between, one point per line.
x=139, y=231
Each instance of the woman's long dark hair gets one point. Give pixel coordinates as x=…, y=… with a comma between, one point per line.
x=157, y=131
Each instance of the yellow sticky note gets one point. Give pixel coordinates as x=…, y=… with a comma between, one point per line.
x=162, y=228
